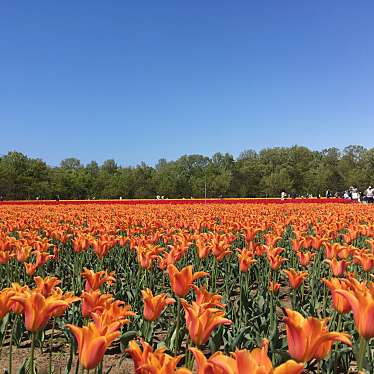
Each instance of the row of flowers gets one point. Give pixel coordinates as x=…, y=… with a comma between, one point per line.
x=209, y=281
x=308, y=338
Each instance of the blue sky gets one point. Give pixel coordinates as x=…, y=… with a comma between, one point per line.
x=143, y=80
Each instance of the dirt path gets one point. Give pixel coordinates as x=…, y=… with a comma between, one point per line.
x=116, y=361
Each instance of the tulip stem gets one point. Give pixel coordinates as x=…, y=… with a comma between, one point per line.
x=214, y=275
x=32, y=365
x=147, y=328
x=361, y=352
x=293, y=299
x=188, y=354
x=177, y=326
x=145, y=279
x=227, y=278
x=50, y=347
x=338, y=327
x=3, y=338
x=246, y=293
x=99, y=369
x=11, y=345
x=240, y=296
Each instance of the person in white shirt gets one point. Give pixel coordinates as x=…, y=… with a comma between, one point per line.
x=355, y=195
x=370, y=195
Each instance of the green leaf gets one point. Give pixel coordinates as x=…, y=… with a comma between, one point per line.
x=26, y=367
x=237, y=341
x=126, y=337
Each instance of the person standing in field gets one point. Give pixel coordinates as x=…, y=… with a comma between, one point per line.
x=354, y=193
x=370, y=195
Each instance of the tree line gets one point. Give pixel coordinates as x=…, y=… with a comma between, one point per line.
x=297, y=170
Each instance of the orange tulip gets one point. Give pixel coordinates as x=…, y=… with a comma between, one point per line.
x=366, y=260
x=46, y=285
x=201, y=321
x=202, y=248
x=23, y=252
x=181, y=281
x=38, y=309
x=30, y=268
x=243, y=362
x=18, y=290
x=295, y=278
x=94, y=301
x=140, y=356
x=296, y=245
x=309, y=337
x=169, y=258
x=42, y=258
x=340, y=304
x=204, y=365
x=273, y=251
x=245, y=259
x=274, y=287
x=275, y=261
x=5, y=255
x=271, y=239
x=337, y=267
x=5, y=297
x=219, y=246
x=332, y=249
x=95, y=280
x=103, y=245
x=147, y=361
x=146, y=255
x=113, y=317
x=361, y=300
x=165, y=364
x=316, y=243
x=80, y=243
x=209, y=299
x=345, y=252
x=92, y=344
x=250, y=233
x=68, y=297
x=154, y=305
x=305, y=257
x=307, y=241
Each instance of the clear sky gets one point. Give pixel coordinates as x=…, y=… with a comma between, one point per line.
x=142, y=80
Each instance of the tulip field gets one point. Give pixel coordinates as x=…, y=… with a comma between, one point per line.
x=187, y=288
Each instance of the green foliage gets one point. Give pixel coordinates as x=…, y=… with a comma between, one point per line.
x=253, y=174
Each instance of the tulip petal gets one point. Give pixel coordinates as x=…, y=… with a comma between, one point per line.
x=289, y=367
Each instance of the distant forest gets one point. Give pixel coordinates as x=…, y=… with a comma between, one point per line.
x=297, y=170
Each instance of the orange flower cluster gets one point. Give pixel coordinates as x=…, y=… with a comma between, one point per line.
x=148, y=361
x=40, y=304
x=309, y=338
x=154, y=305
x=108, y=317
x=95, y=280
x=360, y=297
x=205, y=257
x=244, y=362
